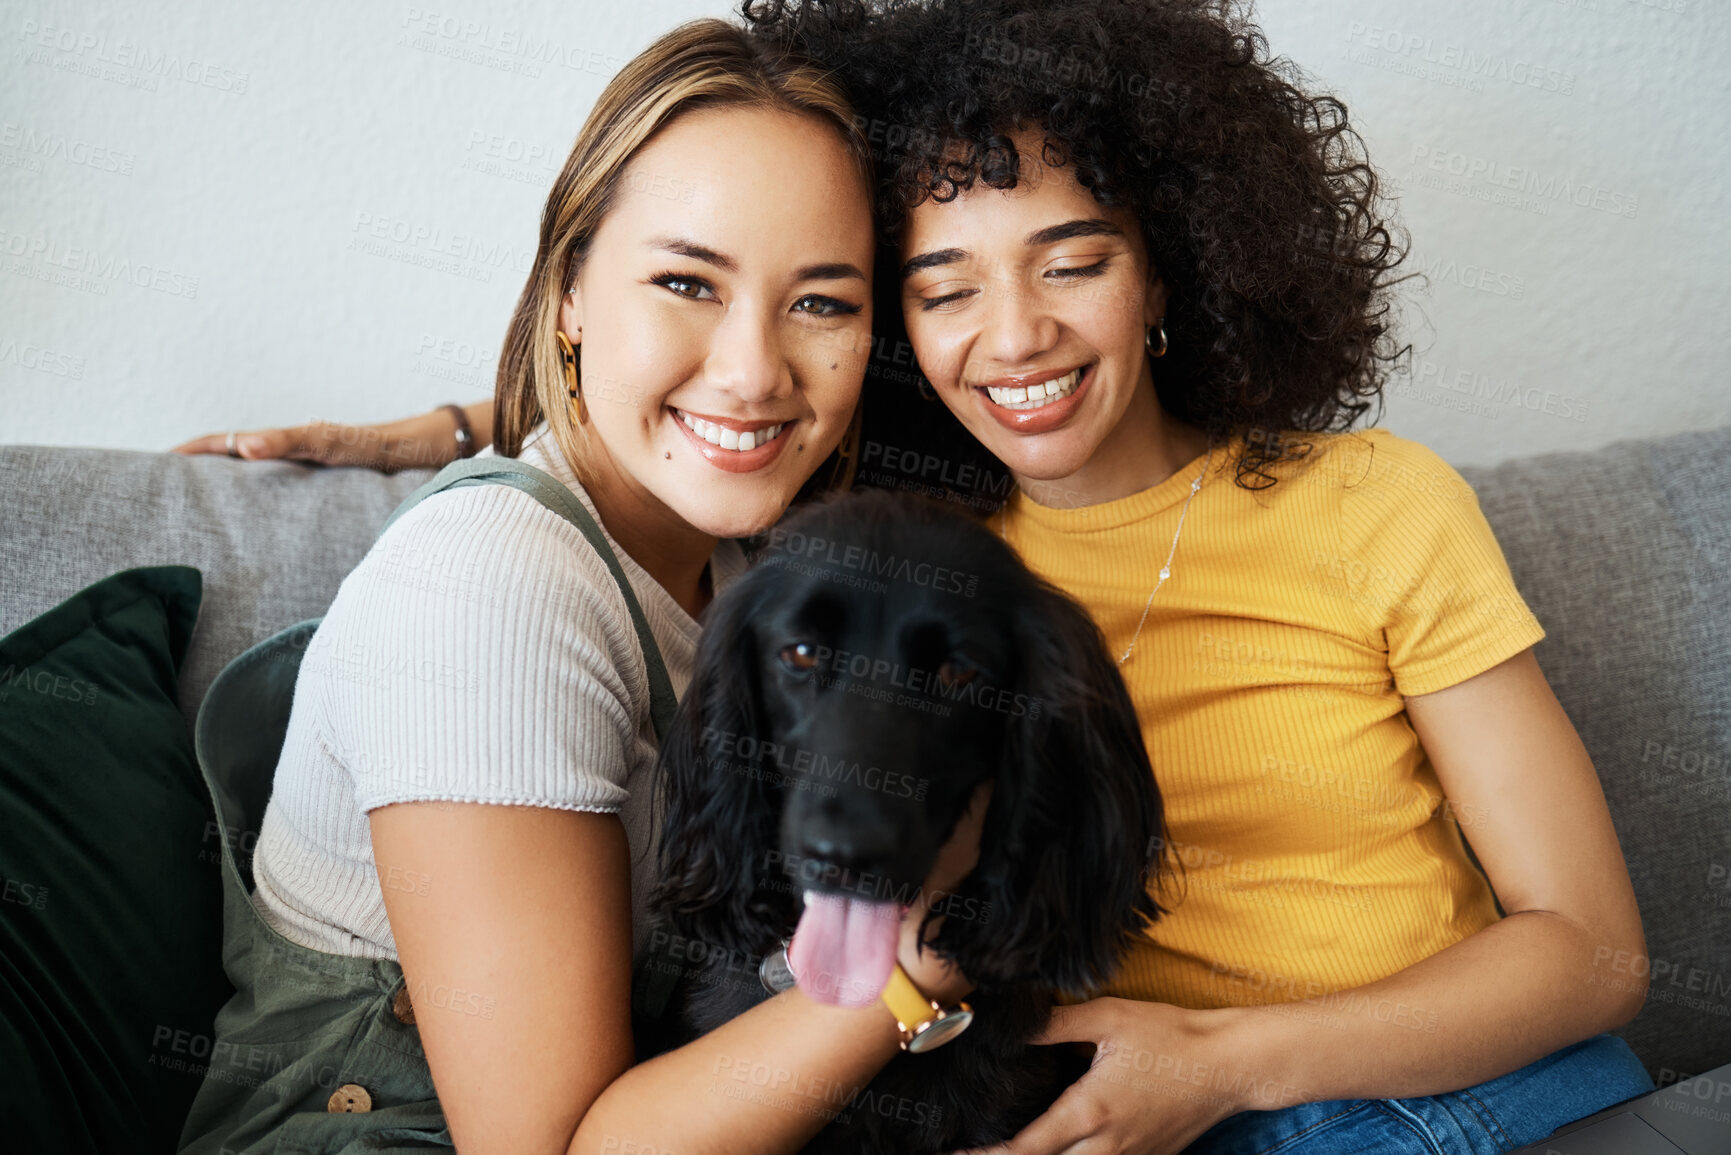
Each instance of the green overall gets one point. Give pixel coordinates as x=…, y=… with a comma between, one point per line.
x=316, y=1052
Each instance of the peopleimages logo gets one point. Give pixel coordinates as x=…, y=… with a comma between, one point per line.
x=1525, y=181
x=825, y=552
x=1427, y=374
x=500, y=46
x=400, y=230
x=90, y=268
x=92, y=50
x=1469, y=275
x=880, y=678
x=1413, y=49
x=29, y=356
x=48, y=684
x=804, y=764
x=33, y=143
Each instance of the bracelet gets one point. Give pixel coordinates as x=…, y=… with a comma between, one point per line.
x=465, y=435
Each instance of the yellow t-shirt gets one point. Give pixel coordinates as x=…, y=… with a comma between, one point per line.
x=1270, y=679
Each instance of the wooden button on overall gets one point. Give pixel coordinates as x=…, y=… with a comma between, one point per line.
x=350, y=1099
x=403, y=1008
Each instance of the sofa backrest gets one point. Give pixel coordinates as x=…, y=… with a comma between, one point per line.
x=1624, y=554
x=273, y=539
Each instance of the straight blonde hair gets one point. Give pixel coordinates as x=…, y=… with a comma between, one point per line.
x=703, y=64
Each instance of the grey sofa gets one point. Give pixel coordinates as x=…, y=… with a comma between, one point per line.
x=1624, y=553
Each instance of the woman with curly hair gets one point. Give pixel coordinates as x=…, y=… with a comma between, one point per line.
x=1148, y=272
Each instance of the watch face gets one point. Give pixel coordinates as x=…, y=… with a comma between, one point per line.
x=941, y=1031
x=774, y=972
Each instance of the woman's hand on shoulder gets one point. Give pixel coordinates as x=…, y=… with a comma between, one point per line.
x=427, y=441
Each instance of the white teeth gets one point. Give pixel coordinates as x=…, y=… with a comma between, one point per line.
x=731, y=438
x=1036, y=396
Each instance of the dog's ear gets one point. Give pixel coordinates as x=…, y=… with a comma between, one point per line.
x=1072, y=840
x=719, y=815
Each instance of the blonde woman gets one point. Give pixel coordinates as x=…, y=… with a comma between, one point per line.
x=451, y=871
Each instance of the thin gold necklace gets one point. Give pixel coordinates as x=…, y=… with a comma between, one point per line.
x=1165, y=570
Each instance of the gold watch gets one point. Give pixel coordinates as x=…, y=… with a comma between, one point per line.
x=924, y=1025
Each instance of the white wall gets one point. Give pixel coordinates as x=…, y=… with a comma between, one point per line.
x=189, y=194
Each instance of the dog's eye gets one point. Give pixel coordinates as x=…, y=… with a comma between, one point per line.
x=799, y=657
x=956, y=672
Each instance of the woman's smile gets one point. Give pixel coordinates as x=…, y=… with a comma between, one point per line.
x=1036, y=402
x=731, y=444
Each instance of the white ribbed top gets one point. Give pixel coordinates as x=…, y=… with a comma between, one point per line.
x=480, y=652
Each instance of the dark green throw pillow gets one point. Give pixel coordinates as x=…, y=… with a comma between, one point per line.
x=110, y=883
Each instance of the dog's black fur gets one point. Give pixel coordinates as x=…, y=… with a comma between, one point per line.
x=906, y=610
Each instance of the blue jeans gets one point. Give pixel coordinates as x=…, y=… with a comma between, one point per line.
x=1521, y=1107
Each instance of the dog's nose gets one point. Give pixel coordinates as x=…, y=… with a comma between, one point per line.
x=846, y=850
x=831, y=838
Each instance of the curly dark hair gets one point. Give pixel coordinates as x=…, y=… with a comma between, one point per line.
x=1258, y=204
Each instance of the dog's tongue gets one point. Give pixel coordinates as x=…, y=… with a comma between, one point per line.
x=844, y=948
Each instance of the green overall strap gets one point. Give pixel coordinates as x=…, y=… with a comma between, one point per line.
x=547, y=490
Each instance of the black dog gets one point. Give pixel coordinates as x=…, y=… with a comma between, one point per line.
x=882, y=659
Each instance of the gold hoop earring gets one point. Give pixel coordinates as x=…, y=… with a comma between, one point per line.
x=926, y=390
x=569, y=355
x=1148, y=339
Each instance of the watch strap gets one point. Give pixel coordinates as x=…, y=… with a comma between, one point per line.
x=907, y=1002
x=922, y=1023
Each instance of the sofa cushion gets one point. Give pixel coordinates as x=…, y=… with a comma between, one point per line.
x=111, y=919
x=274, y=540
x=1624, y=553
